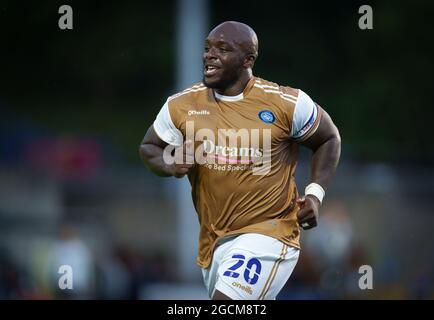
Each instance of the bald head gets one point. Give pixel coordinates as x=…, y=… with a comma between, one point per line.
x=238, y=33
x=230, y=52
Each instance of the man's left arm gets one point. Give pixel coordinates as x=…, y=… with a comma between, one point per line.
x=325, y=144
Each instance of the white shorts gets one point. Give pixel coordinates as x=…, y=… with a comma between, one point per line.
x=250, y=266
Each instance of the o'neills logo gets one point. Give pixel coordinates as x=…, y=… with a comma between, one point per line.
x=242, y=149
x=244, y=288
x=198, y=112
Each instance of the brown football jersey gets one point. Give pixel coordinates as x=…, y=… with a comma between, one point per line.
x=245, y=180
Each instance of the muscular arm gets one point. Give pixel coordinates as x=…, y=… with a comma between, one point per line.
x=151, y=151
x=325, y=144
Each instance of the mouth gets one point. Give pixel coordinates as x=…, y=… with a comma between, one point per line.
x=210, y=70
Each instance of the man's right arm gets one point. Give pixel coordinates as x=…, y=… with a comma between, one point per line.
x=151, y=151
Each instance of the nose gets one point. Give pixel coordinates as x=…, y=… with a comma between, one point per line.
x=210, y=54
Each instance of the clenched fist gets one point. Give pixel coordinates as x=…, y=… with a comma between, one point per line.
x=183, y=166
x=308, y=214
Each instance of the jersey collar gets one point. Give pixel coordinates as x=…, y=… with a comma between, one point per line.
x=229, y=98
x=237, y=97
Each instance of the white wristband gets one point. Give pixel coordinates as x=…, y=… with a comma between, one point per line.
x=316, y=190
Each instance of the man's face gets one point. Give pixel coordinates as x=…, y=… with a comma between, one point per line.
x=223, y=61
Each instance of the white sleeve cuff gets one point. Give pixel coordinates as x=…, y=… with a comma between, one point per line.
x=305, y=115
x=165, y=129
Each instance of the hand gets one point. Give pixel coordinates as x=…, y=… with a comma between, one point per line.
x=186, y=164
x=308, y=214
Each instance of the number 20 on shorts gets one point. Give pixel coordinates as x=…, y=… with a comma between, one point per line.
x=231, y=272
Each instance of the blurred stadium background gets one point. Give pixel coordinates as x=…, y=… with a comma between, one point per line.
x=76, y=104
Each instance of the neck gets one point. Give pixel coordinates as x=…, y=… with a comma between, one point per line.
x=239, y=85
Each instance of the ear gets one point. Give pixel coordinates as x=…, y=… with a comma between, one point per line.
x=249, y=61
